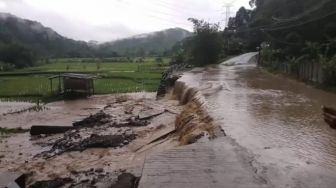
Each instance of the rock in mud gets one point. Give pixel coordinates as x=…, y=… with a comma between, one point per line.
x=97, y=119
x=55, y=183
x=126, y=180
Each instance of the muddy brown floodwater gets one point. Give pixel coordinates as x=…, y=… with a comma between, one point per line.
x=277, y=119
x=114, y=136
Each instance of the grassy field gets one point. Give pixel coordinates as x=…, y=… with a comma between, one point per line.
x=113, y=77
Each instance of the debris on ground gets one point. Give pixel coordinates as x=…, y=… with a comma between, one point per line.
x=126, y=180
x=329, y=116
x=131, y=122
x=78, y=140
x=122, y=99
x=88, y=154
x=55, y=183
x=97, y=119
x=91, y=178
x=47, y=129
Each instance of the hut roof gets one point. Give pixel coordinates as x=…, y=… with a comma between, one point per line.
x=74, y=75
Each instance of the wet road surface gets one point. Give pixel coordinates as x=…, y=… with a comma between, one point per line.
x=278, y=120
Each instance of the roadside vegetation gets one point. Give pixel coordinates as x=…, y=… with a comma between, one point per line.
x=293, y=37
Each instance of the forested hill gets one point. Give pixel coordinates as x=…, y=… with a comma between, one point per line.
x=48, y=43
x=23, y=42
x=38, y=38
x=154, y=43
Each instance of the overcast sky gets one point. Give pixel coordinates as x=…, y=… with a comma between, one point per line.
x=105, y=20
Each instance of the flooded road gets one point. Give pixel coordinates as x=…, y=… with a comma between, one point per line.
x=276, y=119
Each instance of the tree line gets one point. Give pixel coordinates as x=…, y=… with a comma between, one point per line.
x=300, y=29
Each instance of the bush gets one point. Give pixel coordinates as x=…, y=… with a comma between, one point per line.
x=204, y=47
x=178, y=58
x=329, y=69
x=6, y=67
x=17, y=55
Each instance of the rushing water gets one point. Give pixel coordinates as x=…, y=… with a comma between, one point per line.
x=278, y=119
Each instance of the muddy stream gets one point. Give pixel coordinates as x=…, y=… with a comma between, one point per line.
x=277, y=119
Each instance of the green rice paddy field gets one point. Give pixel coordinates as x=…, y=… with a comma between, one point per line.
x=113, y=77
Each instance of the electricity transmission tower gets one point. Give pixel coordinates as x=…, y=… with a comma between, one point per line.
x=227, y=12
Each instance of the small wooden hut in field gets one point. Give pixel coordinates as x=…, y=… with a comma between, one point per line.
x=71, y=83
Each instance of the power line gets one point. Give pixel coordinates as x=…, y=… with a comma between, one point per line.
x=146, y=13
x=281, y=41
x=167, y=20
x=181, y=10
x=172, y=7
x=279, y=28
x=302, y=23
x=297, y=17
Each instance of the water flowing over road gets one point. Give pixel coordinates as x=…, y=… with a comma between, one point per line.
x=278, y=120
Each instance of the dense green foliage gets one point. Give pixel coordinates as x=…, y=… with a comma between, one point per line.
x=18, y=56
x=286, y=25
x=204, y=47
x=287, y=31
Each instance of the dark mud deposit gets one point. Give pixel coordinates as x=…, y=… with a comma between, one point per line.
x=97, y=119
x=74, y=141
x=91, y=178
x=94, y=153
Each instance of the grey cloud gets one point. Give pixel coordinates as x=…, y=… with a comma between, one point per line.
x=82, y=30
x=74, y=29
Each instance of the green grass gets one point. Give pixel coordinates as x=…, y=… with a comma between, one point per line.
x=112, y=77
x=24, y=86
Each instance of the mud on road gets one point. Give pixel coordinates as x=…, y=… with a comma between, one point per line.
x=107, y=146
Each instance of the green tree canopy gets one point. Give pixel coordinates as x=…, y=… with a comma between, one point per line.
x=205, y=47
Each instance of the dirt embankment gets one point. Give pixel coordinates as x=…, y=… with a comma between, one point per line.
x=194, y=122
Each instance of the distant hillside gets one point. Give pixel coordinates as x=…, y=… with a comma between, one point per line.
x=23, y=42
x=43, y=40
x=146, y=44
